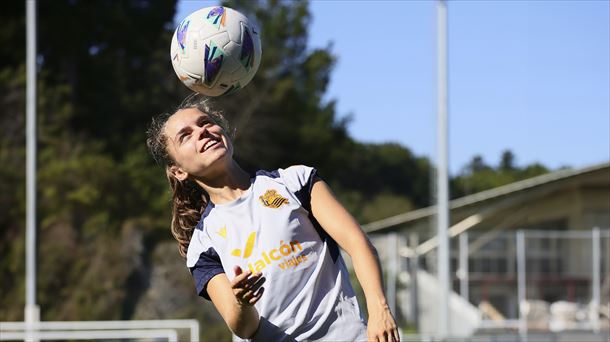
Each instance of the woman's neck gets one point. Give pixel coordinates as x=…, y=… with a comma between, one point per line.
x=228, y=185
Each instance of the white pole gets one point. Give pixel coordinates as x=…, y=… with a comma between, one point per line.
x=442, y=174
x=596, y=279
x=413, y=269
x=32, y=313
x=392, y=274
x=194, y=330
x=521, y=284
x=463, y=273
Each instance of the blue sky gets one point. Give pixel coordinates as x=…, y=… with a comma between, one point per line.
x=529, y=76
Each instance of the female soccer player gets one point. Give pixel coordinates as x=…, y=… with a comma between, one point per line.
x=280, y=229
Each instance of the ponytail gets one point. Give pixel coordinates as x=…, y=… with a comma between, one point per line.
x=188, y=203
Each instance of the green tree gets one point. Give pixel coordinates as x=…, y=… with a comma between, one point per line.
x=507, y=161
x=478, y=176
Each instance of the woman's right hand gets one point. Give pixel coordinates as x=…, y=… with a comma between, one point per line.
x=247, y=287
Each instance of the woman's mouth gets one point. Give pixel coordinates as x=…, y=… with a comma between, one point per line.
x=209, y=144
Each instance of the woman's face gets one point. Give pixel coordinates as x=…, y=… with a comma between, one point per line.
x=197, y=144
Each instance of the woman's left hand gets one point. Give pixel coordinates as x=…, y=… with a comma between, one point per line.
x=382, y=326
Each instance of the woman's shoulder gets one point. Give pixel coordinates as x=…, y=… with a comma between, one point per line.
x=294, y=177
x=198, y=244
x=200, y=231
x=287, y=171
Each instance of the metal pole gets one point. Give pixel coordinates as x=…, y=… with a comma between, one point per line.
x=463, y=273
x=442, y=174
x=521, y=284
x=596, y=281
x=391, y=240
x=32, y=312
x=413, y=269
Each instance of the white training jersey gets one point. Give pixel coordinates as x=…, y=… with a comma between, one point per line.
x=270, y=229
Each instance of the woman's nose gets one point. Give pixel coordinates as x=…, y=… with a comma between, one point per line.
x=202, y=132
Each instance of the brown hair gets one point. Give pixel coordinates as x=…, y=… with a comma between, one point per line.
x=189, y=200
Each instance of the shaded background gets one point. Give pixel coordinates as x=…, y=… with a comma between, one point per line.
x=105, y=249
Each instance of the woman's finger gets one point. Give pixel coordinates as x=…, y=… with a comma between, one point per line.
x=258, y=283
x=243, y=296
x=257, y=296
x=239, y=279
x=247, y=296
x=237, y=270
x=396, y=335
x=250, y=281
x=250, y=296
x=239, y=292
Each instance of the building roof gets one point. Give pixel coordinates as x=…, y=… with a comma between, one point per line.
x=483, y=196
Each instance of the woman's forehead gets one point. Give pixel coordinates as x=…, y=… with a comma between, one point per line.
x=181, y=118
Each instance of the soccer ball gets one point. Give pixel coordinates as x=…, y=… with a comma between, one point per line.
x=216, y=51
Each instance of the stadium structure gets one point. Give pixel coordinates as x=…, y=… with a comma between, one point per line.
x=528, y=258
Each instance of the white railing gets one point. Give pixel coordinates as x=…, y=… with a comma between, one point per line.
x=170, y=335
x=53, y=330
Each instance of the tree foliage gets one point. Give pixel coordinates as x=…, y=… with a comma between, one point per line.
x=478, y=176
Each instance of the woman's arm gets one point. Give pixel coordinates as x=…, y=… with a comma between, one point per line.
x=344, y=229
x=234, y=300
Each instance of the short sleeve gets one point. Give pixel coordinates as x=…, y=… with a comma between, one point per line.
x=299, y=179
x=207, y=266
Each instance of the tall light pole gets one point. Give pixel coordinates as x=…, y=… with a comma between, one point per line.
x=32, y=312
x=442, y=180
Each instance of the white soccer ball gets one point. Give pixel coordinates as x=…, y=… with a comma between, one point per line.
x=216, y=51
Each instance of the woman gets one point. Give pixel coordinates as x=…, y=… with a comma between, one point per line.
x=263, y=248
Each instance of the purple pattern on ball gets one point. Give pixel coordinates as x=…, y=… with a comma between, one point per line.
x=247, y=50
x=212, y=65
x=181, y=34
x=216, y=12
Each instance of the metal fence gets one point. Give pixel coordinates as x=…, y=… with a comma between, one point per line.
x=522, y=282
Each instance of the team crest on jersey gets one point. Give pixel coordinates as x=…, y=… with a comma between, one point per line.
x=272, y=199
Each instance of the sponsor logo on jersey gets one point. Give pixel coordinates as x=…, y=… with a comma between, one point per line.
x=272, y=199
x=284, y=255
x=248, y=249
x=222, y=232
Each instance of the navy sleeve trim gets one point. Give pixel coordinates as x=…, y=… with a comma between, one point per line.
x=271, y=174
x=304, y=195
x=208, y=208
x=333, y=246
x=206, y=268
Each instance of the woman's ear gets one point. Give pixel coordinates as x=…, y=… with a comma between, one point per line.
x=178, y=173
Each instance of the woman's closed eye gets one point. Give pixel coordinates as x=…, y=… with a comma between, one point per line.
x=202, y=121
x=184, y=137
